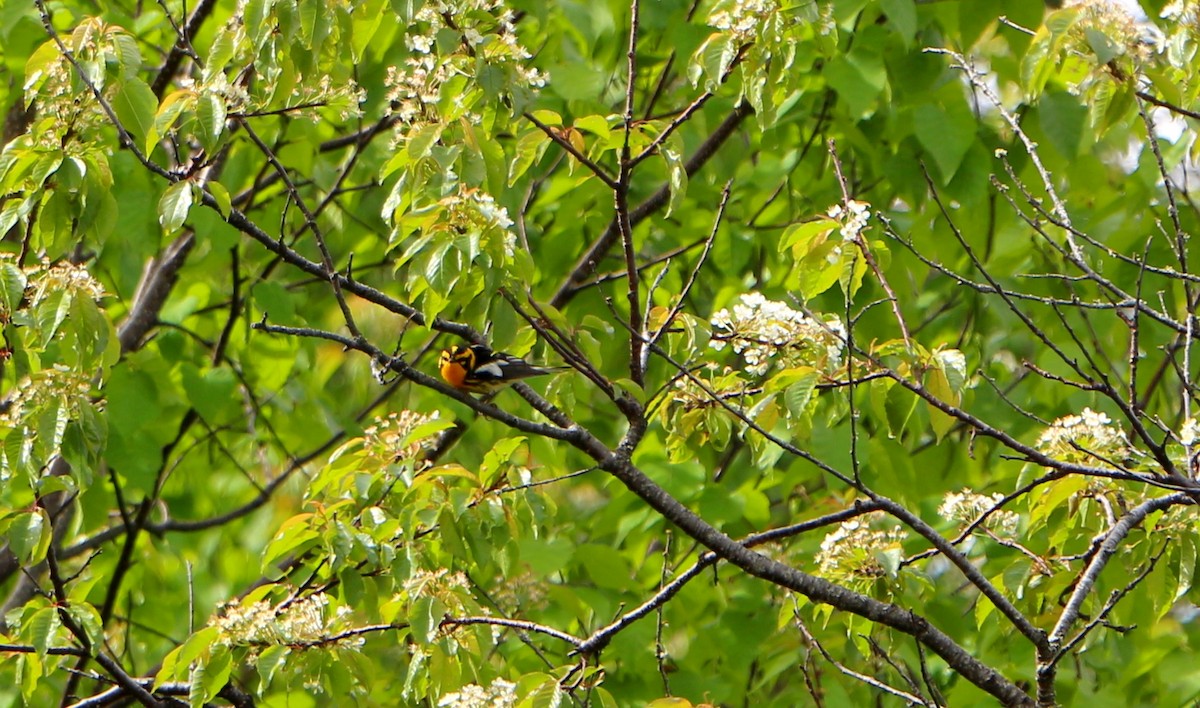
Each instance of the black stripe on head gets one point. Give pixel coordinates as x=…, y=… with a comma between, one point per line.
x=465, y=356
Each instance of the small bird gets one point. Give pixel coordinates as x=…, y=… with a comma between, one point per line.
x=478, y=369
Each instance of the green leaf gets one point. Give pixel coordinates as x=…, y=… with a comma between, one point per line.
x=820, y=269
x=604, y=565
x=90, y=331
x=29, y=670
x=221, y=196
x=937, y=383
x=51, y=425
x=366, y=21
x=12, y=287
x=220, y=53
x=577, y=80
x=136, y=106
x=87, y=617
x=946, y=131
x=425, y=618
x=1039, y=62
x=545, y=556
x=29, y=536
x=495, y=461
x=172, y=106
x=953, y=364
x=899, y=405
x=858, y=77
x=197, y=696
x=1058, y=493
x=256, y=17
x=210, y=120
x=275, y=301
x=595, y=124
x=294, y=537
x=853, y=268
x=548, y=695
x=717, y=55
x=39, y=65
x=530, y=148
x=802, y=238
x=211, y=392
x=217, y=669
x=129, y=57
x=271, y=660
x=420, y=144
x=902, y=15
x=41, y=630
x=798, y=395
x=174, y=206
x=547, y=117
x=1103, y=45
x=677, y=178
x=11, y=213
x=1062, y=117
x=1187, y=565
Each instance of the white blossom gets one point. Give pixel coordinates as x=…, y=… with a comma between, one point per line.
x=488, y=35
x=852, y=550
x=500, y=694
x=388, y=438
x=421, y=43
x=1189, y=434
x=742, y=18
x=302, y=622
x=966, y=506
x=1084, y=438
x=1182, y=11
x=766, y=332
x=853, y=217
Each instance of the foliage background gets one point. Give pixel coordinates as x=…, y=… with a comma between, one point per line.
x=238, y=234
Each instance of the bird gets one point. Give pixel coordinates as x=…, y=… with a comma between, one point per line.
x=478, y=369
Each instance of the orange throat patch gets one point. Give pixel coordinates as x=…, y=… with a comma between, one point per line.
x=454, y=373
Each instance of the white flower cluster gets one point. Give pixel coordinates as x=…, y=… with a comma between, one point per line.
x=388, y=440
x=1083, y=438
x=1111, y=16
x=966, y=506
x=1182, y=12
x=488, y=34
x=473, y=210
x=853, y=217
x=346, y=96
x=302, y=623
x=435, y=582
x=415, y=90
x=852, y=550
x=233, y=95
x=55, y=89
x=742, y=18
x=56, y=384
x=500, y=694
x=522, y=591
x=1189, y=434
x=306, y=100
x=64, y=277
x=766, y=332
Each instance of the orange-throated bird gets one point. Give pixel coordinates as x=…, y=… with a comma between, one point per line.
x=478, y=369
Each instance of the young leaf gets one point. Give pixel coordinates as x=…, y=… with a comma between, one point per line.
x=174, y=206
x=136, y=106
